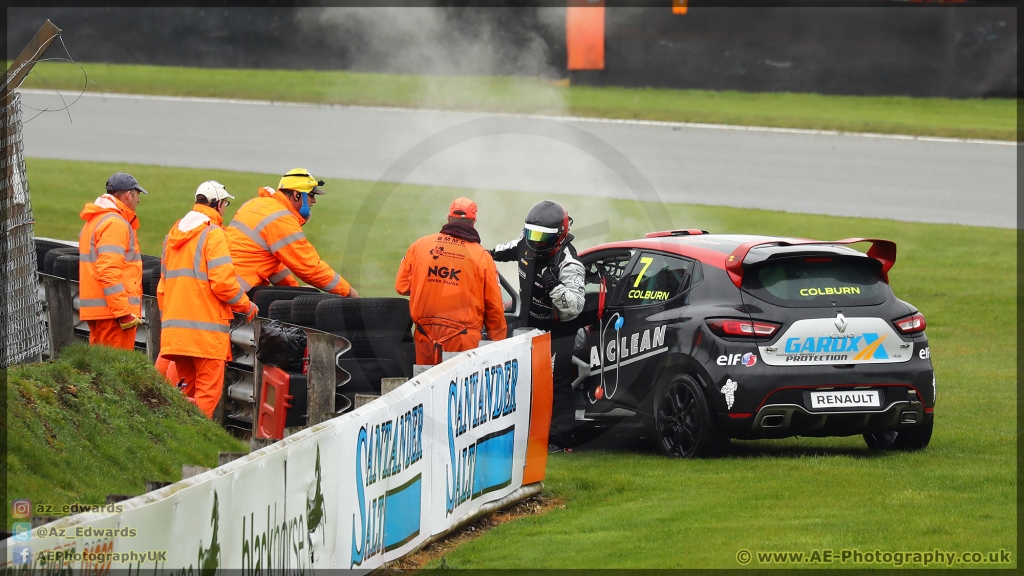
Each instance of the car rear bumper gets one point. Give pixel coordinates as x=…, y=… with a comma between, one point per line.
x=784, y=420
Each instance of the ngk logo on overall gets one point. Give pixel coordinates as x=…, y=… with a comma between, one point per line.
x=819, y=341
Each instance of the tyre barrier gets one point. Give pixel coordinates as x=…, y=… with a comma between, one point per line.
x=369, y=356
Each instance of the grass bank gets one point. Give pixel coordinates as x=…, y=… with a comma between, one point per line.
x=974, y=118
x=630, y=508
x=100, y=421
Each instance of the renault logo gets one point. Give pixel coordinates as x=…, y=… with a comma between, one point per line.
x=841, y=322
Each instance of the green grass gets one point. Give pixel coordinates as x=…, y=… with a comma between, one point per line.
x=632, y=508
x=100, y=421
x=974, y=118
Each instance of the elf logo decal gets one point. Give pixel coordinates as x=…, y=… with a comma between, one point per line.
x=747, y=359
x=925, y=353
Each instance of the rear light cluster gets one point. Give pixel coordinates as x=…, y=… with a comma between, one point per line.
x=742, y=328
x=910, y=324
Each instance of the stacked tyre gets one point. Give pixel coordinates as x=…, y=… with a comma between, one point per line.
x=43, y=247
x=380, y=331
x=264, y=296
x=50, y=259
x=150, y=274
x=66, y=266
x=303, y=308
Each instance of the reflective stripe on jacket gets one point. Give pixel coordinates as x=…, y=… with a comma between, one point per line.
x=110, y=262
x=267, y=241
x=198, y=289
x=454, y=279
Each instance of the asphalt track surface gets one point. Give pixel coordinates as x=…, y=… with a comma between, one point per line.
x=901, y=178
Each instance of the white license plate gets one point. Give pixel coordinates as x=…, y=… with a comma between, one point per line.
x=846, y=399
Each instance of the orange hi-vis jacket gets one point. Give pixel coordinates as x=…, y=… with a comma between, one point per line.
x=267, y=241
x=452, y=282
x=110, y=262
x=198, y=289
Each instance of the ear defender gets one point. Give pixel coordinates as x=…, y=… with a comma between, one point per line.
x=304, y=209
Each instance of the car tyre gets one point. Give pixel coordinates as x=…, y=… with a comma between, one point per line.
x=51, y=256
x=909, y=440
x=263, y=296
x=280, y=310
x=363, y=314
x=303, y=308
x=683, y=424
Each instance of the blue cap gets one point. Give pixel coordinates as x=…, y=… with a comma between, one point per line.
x=123, y=181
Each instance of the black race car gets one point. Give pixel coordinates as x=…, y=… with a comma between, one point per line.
x=706, y=337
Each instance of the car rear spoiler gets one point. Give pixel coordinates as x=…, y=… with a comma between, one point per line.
x=882, y=250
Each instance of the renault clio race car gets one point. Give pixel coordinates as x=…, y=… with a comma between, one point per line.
x=704, y=337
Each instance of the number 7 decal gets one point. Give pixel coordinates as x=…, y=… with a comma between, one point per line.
x=647, y=260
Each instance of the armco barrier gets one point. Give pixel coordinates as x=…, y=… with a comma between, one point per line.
x=351, y=493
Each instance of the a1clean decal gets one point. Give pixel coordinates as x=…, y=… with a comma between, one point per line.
x=837, y=340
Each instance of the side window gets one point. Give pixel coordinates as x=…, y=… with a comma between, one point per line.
x=608, y=265
x=611, y=267
x=655, y=278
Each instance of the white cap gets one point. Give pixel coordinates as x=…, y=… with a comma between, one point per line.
x=213, y=190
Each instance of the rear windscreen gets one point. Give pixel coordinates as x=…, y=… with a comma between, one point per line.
x=818, y=282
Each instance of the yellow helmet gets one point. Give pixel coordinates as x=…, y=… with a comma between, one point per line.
x=300, y=180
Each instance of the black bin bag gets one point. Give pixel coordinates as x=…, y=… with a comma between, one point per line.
x=281, y=346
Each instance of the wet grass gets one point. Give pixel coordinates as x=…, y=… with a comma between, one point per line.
x=100, y=421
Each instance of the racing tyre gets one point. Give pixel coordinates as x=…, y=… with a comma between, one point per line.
x=372, y=343
x=149, y=286
x=281, y=310
x=66, y=266
x=262, y=296
x=44, y=246
x=52, y=255
x=303, y=308
x=910, y=440
x=355, y=314
x=684, y=425
x=150, y=262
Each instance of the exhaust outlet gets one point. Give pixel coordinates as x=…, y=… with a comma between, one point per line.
x=773, y=421
x=908, y=417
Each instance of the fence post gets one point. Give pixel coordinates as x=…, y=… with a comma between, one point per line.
x=60, y=311
x=151, y=311
x=320, y=382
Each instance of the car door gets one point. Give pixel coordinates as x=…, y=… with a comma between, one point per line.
x=631, y=348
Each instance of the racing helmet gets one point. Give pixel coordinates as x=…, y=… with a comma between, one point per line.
x=547, y=228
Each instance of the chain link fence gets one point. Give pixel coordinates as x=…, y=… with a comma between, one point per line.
x=22, y=334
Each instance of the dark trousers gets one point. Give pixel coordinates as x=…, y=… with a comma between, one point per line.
x=563, y=409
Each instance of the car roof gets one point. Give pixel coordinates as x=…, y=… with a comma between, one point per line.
x=714, y=249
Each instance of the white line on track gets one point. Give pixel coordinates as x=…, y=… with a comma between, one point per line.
x=544, y=117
